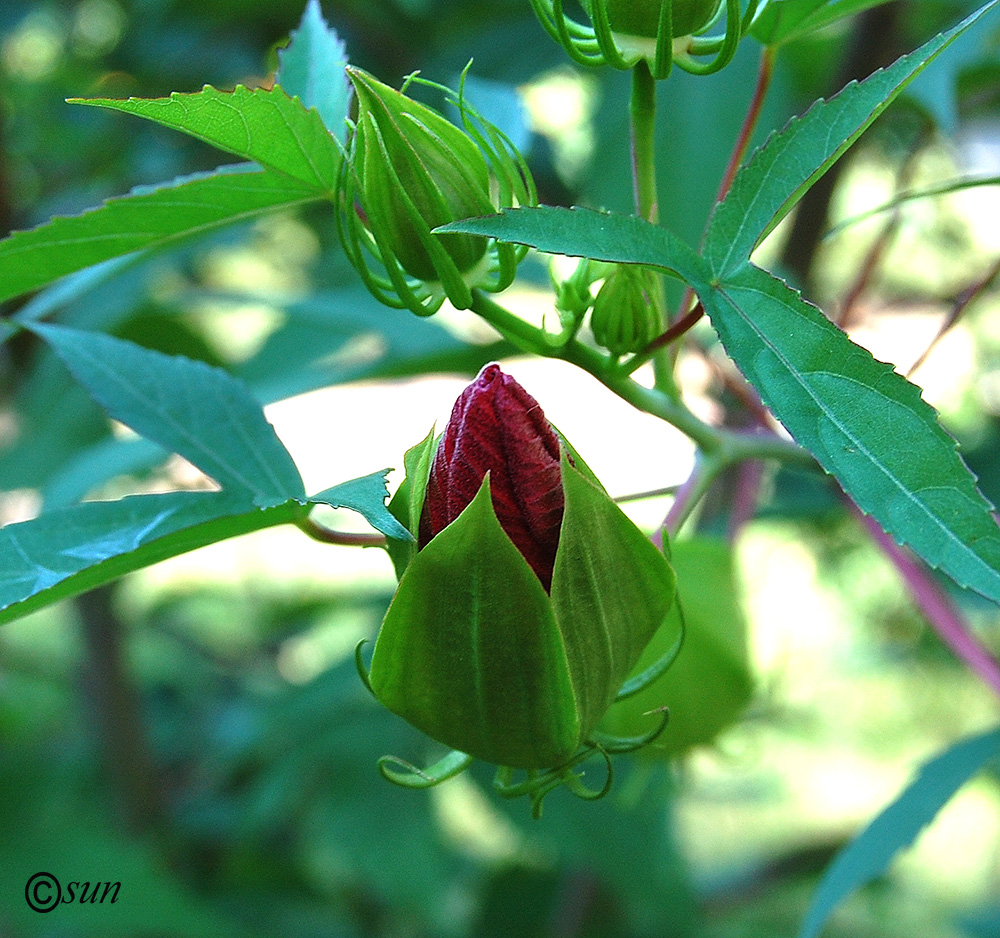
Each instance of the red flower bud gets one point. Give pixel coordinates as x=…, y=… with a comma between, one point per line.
x=498, y=427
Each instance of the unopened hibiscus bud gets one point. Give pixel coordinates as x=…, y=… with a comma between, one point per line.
x=528, y=596
x=625, y=318
x=408, y=171
x=497, y=427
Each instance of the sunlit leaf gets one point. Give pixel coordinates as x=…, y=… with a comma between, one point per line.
x=148, y=217
x=864, y=423
x=263, y=125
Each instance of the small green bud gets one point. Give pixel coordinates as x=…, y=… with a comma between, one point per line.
x=625, y=318
x=408, y=171
x=642, y=17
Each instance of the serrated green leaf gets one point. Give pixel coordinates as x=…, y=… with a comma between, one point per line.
x=70, y=550
x=263, y=125
x=864, y=423
x=582, y=232
x=311, y=68
x=367, y=496
x=66, y=551
x=897, y=826
x=200, y=412
x=148, y=217
x=779, y=173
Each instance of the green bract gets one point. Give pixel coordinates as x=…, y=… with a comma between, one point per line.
x=477, y=655
x=623, y=33
x=408, y=171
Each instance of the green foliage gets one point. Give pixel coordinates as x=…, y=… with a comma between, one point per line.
x=273, y=819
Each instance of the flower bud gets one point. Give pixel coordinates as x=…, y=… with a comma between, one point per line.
x=625, y=317
x=642, y=17
x=497, y=427
x=530, y=595
x=409, y=170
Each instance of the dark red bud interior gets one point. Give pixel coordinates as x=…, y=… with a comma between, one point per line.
x=498, y=427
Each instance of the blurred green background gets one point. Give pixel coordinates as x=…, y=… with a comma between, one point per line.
x=198, y=732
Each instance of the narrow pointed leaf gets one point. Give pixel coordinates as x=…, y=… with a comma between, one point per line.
x=784, y=20
x=312, y=69
x=869, y=855
x=263, y=125
x=200, y=412
x=767, y=188
x=864, y=423
x=70, y=550
x=148, y=217
x=582, y=232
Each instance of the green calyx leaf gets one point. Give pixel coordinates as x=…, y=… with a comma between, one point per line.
x=611, y=590
x=474, y=653
x=469, y=650
x=408, y=501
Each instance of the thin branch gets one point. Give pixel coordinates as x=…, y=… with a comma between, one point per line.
x=345, y=538
x=940, y=612
x=959, y=305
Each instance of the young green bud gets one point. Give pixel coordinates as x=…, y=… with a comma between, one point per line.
x=625, y=317
x=642, y=17
x=408, y=171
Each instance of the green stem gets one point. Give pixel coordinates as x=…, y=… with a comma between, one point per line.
x=726, y=445
x=647, y=206
x=643, y=113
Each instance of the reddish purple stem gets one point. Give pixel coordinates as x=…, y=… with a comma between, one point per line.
x=934, y=603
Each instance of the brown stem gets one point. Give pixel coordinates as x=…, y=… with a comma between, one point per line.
x=114, y=704
x=959, y=305
x=345, y=538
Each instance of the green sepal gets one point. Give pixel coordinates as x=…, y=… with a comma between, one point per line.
x=611, y=590
x=711, y=682
x=408, y=500
x=469, y=651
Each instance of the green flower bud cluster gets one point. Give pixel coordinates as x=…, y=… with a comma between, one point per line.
x=625, y=317
x=408, y=171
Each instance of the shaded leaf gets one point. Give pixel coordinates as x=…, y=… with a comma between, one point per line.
x=582, y=232
x=69, y=550
x=864, y=423
x=784, y=20
x=148, y=217
x=766, y=189
x=897, y=826
x=263, y=125
x=200, y=412
x=311, y=68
